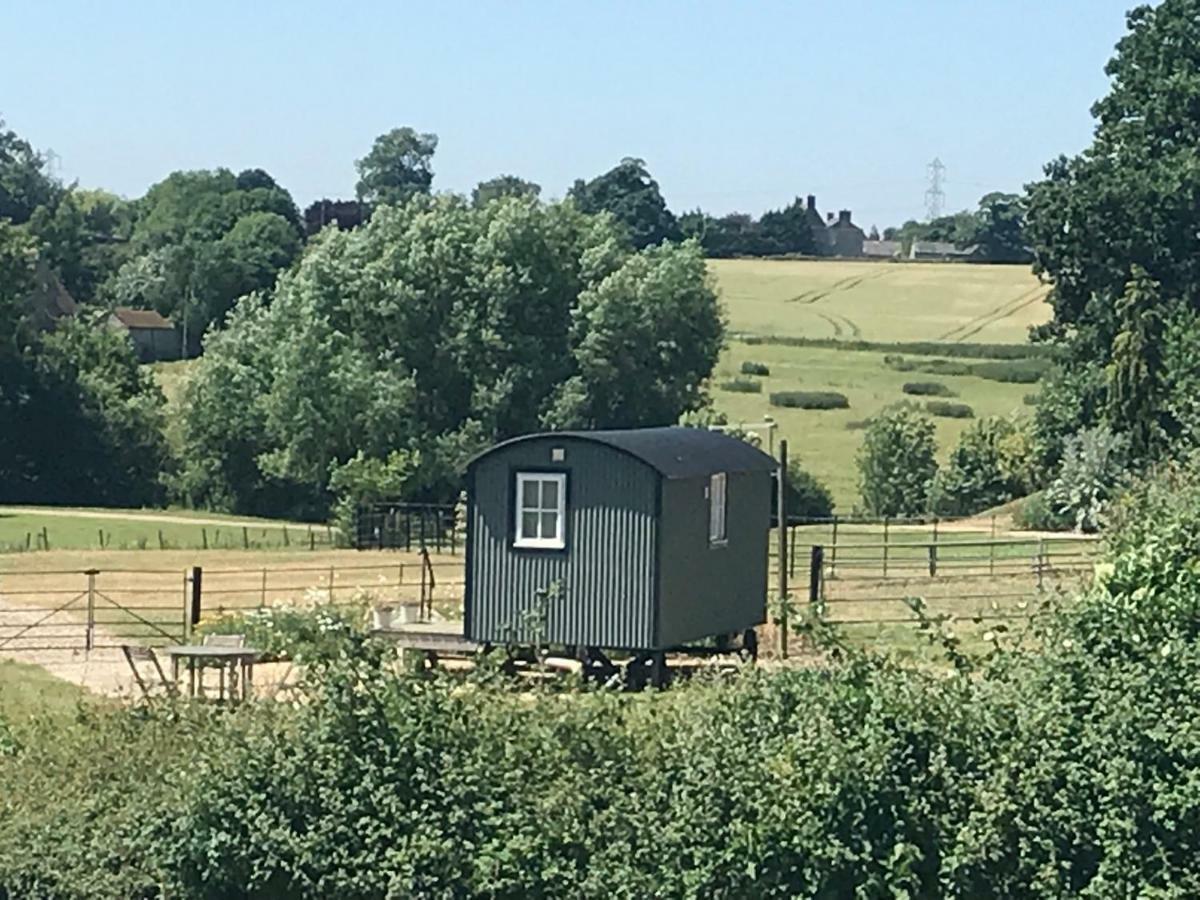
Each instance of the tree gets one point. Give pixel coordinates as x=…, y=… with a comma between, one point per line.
x=503, y=186
x=897, y=463
x=393, y=352
x=807, y=497
x=84, y=237
x=631, y=195
x=24, y=183
x=1000, y=228
x=397, y=168
x=1134, y=372
x=983, y=471
x=787, y=230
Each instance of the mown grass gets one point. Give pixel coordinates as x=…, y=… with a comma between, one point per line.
x=32, y=528
x=822, y=439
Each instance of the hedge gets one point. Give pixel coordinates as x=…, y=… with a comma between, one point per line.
x=949, y=409
x=927, y=389
x=1028, y=371
x=917, y=348
x=810, y=400
x=742, y=386
x=928, y=366
x=749, y=367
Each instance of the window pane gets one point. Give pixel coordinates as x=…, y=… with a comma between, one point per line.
x=549, y=495
x=549, y=525
x=529, y=523
x=529, y=494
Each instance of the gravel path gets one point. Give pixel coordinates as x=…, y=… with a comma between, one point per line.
x=57, y=645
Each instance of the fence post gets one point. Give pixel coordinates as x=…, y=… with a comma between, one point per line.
x=90, y=639
x=1041, y=562
x=816, y=562
x=886, y=522
x=833, y=556
x=933, y=560
x=286, y=540
x=400, y=585
x=45, y=538
x=331, y=584
x=204, y=537
x=186, y=631
x=245, y=538
x=264, y=586
x=781, y=521
x=197, y=591
x=101, y=538
x=791, y=552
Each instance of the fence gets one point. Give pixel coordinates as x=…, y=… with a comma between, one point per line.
x=405, y=526
x=870, y=584
x=84, y=610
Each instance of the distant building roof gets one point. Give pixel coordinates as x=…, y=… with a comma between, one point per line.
x=941, y=248
x=141, y=318
x=882, y=248
x=49, y=301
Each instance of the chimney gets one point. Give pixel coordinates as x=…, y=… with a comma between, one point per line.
x=829, y=218
x=844, y=217
x=812, y=202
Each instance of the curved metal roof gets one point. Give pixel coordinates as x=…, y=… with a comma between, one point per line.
x=674, y=452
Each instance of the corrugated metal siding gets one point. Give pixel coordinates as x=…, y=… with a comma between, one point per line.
x=606, y=573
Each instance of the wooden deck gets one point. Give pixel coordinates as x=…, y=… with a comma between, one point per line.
x=435, y=637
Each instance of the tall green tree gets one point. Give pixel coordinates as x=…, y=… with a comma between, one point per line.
x=503, y=186
x=897, y=463
x=399, y=166
x=632, y=196
x=1000, y=228
x=1134, y=371
x=1129, y=204
x=394, y=351
x=24, y=182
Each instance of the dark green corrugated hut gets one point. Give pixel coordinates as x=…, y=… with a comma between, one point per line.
x=654, y=537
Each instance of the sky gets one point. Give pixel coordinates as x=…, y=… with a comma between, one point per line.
x=734, y=106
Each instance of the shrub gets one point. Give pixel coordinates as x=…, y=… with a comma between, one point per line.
x=1030, y=399
x=810, y=400
x=927, y=389
x=301, y=633
x=897, y=463
x=1092, y=466
x=807, y=497
x=1018, y=371
x=749, y=367
x=929, y=366
x=742, y=386
x=949, y=410
x=984, y=470
x=1036, y=514
x=857, y=424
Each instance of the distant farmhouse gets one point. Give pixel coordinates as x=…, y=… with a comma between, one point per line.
x=839, y=236
x=154, y=337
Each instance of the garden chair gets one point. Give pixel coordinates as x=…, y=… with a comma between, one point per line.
x=135, y=654
x=225, y=669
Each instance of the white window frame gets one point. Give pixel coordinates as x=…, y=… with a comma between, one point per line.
x=718, y=509
x=539, y=541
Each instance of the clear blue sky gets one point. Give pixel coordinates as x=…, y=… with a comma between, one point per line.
x=734, y=105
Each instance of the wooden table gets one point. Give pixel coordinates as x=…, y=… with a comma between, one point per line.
x=236, y=661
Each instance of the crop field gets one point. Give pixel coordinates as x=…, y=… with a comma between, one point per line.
x=879, y=301
x=847, y=300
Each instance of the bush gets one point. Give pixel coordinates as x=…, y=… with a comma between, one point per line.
x=808, y=498
x=929, y=366
x=1030, y=399
x=1023, y=371
x=1036, y=514
x=742, y=386
x=750, y=367
x=897, y=463
x=300, y=633
x=986, y=468
x=810, y=400
x=949, y=410
x=1093, y=464
x=927, y=389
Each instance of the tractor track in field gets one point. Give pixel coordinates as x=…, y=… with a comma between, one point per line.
x=838, y=287
x=1003, y=311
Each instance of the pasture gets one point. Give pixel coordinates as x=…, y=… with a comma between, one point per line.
x=881, y=301
x=827, y=440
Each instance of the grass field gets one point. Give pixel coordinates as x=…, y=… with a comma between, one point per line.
x=849, y=299
x=32, y=528
x=826, y=441
x=28, y=690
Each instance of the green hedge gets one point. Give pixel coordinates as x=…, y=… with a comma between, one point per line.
x=928, y=366
x=949, y=409
x=917, y=348
x=750, y=367
x=1028, y=371
x=742, y=386
x=927, y=389
x=810, y=400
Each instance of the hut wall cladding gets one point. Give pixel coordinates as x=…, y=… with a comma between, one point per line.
x=607, y=574
x=709, y=589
